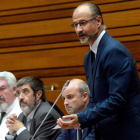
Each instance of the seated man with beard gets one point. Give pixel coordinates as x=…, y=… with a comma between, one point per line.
x=31, y=94
x=8, y=102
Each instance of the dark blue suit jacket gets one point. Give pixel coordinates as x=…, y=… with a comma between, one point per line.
x=71, y=134
x=115, y=92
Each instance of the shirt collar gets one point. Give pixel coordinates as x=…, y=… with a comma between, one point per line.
x=30, y=116
x=94, y=46
x=11, y=106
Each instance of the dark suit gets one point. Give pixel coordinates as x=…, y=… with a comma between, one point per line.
x=46, y=132
x=115, y=91
x=71, y=134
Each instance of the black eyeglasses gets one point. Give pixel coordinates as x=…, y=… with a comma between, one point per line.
x=82, y=23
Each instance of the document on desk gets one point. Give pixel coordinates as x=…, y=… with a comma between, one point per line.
x=58, y=127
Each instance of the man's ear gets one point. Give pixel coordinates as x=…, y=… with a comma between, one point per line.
x=85, y=96
x=99, y=21
x=38, y=96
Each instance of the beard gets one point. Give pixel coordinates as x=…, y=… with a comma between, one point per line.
x=87, y=38
x=28, y=108
x=3, y=106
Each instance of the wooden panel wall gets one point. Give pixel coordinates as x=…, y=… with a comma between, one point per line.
x=36, y=38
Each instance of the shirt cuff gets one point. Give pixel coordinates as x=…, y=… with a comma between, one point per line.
x=10, y=137
x=20, y=130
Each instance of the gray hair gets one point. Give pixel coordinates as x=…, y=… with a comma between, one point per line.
x=83, y=87
x=35, y=83
x=95, y=11
x=9, y=77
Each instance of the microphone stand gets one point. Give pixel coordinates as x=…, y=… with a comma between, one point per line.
x=66, y=85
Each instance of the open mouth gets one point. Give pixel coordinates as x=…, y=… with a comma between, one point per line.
x=82, y=35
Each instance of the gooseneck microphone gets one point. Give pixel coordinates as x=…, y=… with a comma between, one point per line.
x=66, y=85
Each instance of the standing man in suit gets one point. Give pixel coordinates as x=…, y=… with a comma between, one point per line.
x=31, y=94
x=8, y=101
x=112, y=78
x=76, y=98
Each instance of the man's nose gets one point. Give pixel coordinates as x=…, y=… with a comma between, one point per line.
x=79, y=28
x=65, y=102
x=21, y=96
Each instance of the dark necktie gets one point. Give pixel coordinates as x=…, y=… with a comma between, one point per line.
x=2, y=115
x=92, y=59
x=79, y=131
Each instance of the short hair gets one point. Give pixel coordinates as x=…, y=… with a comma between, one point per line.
x=95, y=11
x=9, y=77
x=83, y=87
x=35, y=83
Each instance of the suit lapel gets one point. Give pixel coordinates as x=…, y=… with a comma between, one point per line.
x=85, y=133
x=22, y=118
x=33, y=122
x=100, y=47
x=89, y=74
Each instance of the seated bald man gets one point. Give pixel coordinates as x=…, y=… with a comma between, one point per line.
x=76, y=98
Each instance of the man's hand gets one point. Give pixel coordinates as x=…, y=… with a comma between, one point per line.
x=74, y=122
x=13, y=123
x=9, y=122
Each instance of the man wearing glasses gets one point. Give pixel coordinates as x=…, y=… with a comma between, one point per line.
x=113, y=80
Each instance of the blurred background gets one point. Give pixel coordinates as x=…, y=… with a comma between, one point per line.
x=36, y=38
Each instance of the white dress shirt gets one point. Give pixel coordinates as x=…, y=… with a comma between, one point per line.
x=14, y=108
x=94, y=46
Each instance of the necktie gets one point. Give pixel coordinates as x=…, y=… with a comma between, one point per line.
x=2, y=115
x=79, y=134
x=92, y=59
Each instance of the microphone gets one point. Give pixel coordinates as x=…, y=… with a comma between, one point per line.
x=65, y=85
